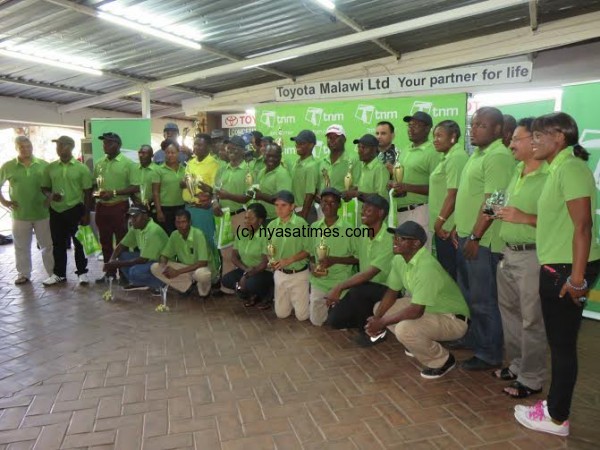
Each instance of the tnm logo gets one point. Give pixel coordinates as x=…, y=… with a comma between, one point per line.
x=316, y=115
x=367, y=113
x=430, y=109
x=271, y=118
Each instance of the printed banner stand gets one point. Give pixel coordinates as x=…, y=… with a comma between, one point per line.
x=133, y=132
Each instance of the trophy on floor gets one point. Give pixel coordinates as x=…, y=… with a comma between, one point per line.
x=271, y=252
x=326, y=179
x=496, y=201
x=348, y=178
x=108, y=295
x=398, y=174
x=99, y=183
x=163, y=295
x=323, y=251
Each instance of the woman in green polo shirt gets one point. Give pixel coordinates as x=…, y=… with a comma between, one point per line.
x=167, y=192
x=250, y=279
x=443, y=186
x=570, y=261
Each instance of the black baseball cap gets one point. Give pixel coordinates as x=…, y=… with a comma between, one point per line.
x=237, y=141
x=377, y=201
x=410, y=229
x=110, y=136
x=171, y=126
x=421, y=117
x=137, y=210
x=305, y=136
x=257, y=134
x=286, y=196
x=268, y=139
x=331, y=191
x=65, y=140
x=368, y=139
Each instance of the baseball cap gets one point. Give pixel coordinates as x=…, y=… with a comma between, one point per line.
x=368, y=139
x=267, y=139
x=410, y=229
x=137, y=210
x=421, y=117
x=336, y=129
x=305, y=136
x=65, y=140
x=257, y=134
x=171, y=126
x=286, y=196
x=378, y=201
x=331, y=191
x=237, y=141
x=110, y=136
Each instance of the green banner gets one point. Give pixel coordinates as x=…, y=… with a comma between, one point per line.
x=529, y=109
x=133, y=132
x=583, y=103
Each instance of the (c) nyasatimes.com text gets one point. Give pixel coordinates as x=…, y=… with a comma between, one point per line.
x=305, y=232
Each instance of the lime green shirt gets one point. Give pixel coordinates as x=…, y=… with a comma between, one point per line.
x=69, y=179
x=338, y=170
x=25, y=188
x=428, y=283
x=376, y=252
x=374, y=178
x=305, y=178
x=186, y=251
x=117, y=173
x=339, y=245
x=272, y=182
x=523, y=193
x=256, y=165
x=445, y=176
x=569, y=178
x=418, y=163
x=170, y=185
x=485, y=172
x=145, y=177
x=150, y=240
x=288, y=240
x=233, y=180
x=251, y=249
x=205, y=171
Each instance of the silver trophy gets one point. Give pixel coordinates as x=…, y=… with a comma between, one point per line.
x=495, y=202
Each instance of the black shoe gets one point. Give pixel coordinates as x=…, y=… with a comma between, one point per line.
x=476, y=364
x=364, y=340
x=133, y=287
x=432, y=374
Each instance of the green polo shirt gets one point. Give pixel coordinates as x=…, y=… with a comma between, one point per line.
x=523, y=193
x=338, y=170
x=233, y=180
x=339, y=245
x=418, y=163
x=71, y=179
x=186, y=251
x=445, y=176
x=289, y=238
x=25, y=188
x=251, y=248
x=374, y=178
x=305, y=178
x=146, y=176
x=256, y=165
x=569, y=178
x=376, y=252
x=272, y=182
x=485, y=172
x=428, y=283
x=170, y=185
x=150, y=240
x=118, y=173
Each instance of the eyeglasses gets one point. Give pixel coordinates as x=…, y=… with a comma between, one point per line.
x=517, y=139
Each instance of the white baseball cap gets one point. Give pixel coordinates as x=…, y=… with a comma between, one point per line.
x=336, y=129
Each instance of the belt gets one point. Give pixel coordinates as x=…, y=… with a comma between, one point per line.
x=291, y=271
x=463, y=318
x=521, y=247
x=410, y=207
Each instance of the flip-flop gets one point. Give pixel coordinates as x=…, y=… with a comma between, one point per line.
x=504, y=375
x=522, y=390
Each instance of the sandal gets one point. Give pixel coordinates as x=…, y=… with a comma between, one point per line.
x=522, y=390
x=504, y=374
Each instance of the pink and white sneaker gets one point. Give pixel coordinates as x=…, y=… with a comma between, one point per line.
x=536, y=418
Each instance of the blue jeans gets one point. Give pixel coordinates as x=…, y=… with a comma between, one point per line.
x=446, y=255
x=477, y=281
x=139, y=275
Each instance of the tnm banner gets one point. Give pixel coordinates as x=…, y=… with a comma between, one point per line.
x=358, y=117
x=133, y=132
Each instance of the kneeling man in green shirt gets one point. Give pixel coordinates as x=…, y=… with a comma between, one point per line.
x=434, y=311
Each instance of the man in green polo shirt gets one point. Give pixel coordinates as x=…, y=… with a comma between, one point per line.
x=144, y=175
x=434, y=309
x=418, y=161
x=150, y=239
x=489, y=169
x=184, y=260
x=29, y=208
x=114, y=180
x=335, y=236
x=68, y=184
x=305, y=175
x=272, y=179
x=365, y=288
x=373, y=175
x=335, y=166
x=290, y=247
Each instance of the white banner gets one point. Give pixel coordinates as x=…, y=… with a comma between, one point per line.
x=238, y=121
x=397, y=84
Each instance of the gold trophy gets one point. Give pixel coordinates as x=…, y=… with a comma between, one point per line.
x=143, y=197
x=271, y=252
x=99, y=183
x=279, y=140
x=191, y=183
x=398, y=174
x=322, y=253
x=348, y=178
x=326, y=179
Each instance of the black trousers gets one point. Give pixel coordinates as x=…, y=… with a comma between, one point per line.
x=63, y=227
x=562, y=319
x=169, y=224
x=353, y=310
x=260, y=284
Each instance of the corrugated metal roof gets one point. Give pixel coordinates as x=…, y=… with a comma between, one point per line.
x=241, y=28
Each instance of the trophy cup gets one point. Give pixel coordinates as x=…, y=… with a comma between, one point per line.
x=322, y=253
x=108, y=295
x=497, y=200
x=271, y=252
x=191, y=183
x=348, y=178
x=163, y=295
x=399, y=176
x=326, y=179
x=143, y=198
x=99, y=183
x=279, y=140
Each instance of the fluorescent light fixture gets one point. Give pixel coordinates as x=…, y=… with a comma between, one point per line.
x=49, y=62
x=326, y=4
x=266, y=63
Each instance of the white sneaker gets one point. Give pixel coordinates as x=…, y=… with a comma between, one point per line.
x=83, y=279
x=536, y=418
x=53, y=279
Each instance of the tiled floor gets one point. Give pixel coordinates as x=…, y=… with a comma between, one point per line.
x=76, y=372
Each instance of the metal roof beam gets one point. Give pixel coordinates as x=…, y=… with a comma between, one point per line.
x=80, y=104
x=533, y=14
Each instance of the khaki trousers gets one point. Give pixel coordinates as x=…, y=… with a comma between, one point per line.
x=421, y=336
x=237, y=221
x=318, y=308
x=22, y=232
x=291, y=293
x=420, y=215
x=182, y=283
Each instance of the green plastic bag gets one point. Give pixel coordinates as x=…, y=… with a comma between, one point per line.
x=88, y=240
x=224, y=229
x=349, y=211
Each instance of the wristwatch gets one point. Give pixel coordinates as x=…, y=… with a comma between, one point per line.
x=472, y=237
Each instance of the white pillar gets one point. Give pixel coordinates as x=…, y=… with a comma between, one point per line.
x=146, y=108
